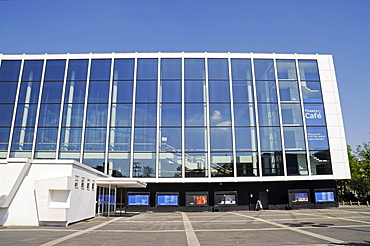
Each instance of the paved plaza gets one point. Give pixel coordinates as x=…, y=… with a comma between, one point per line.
x=337, y=226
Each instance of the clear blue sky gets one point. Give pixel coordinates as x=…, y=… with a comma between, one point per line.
x=339, y=27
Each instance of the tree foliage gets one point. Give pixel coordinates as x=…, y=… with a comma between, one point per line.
x=358, y=187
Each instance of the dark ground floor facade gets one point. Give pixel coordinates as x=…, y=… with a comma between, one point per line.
x=228, y=196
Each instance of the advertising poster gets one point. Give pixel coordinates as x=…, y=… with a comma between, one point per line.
x=314, y=114
x=168, y=200
x=138, y=200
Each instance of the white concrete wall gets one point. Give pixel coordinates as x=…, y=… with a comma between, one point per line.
x=45, y=193
x=334, y=119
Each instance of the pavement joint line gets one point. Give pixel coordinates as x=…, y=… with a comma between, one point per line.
x=62, y=239
x=330, y=217
x=329, y=239
x=191, y=237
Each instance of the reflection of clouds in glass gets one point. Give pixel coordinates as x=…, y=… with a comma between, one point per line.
x=216, y=116
x=224, y=123
x=197, y=119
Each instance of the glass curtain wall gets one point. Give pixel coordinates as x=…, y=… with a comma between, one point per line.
x=167, y=117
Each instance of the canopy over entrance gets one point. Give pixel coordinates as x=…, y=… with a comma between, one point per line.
x=112, y=182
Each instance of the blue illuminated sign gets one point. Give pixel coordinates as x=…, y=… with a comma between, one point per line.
x=324, y=196
x=138, y=200
x=168, y=200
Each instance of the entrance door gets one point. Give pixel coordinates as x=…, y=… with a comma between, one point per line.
x=263, y=196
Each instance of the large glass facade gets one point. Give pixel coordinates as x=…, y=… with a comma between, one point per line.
x=175, y=117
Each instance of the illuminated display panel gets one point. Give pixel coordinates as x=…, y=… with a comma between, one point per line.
x=196, y=199
x=138, y=199
x=167, y=199
x=324, y=196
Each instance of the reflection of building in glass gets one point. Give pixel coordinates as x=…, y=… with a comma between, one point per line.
x=180, y=121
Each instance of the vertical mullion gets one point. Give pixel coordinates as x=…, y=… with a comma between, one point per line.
x=303, y=119
x=280, y=118
x=183, y=161
x=38, y=108
x=208, y=132
x=107, y=135
x=15, y=107
x=159, y=60
x=232, y=116
x=133, y=118
x=82, y=151
x=256, y=118
x=61, y=109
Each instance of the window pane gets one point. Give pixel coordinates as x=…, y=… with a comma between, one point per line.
x=311, y=91
x=194, y=91
x=70, y=139
x=270, y=138
x=294, y=138
x=171, y=91
x=22, y=138
x=194, y=114
x=119, y=139
x=296, y=163
x=32, y=70
x=170, y=140
x=95, y=139
x=194, y=69
x=119, y=164
x=147, y=69
x=243, y=91
x=97, y=115
x=272, y=164
x=73, y=114
x=245, y=138
x=46, y=138
x=241, y=69
x=77, y=70
x=292, y=114
x=317, y=138
x=98, y=91
x=244, y=114
x=170, y=115
x=8, y=91
x=26, y=115
x=29, y=92
x=219, y=91
x=218, y=69
x=55, y=70
x=220, y=114
x=289, y=91
x=170, y=165
x=145, y=139
x=320, y=162
x=75, y=92
x=264, y=69
x=4, y=138
x=314, y=114
x=121, y=115
x=268, y=114
x=195, y=139
x=196, y=165
x=171, y=68
x=146, y=91
x=144, y=165
x=122, y=91
x=308, y=70
x=286, y=69
x=94, y=160
x=100, y=69
x=146, y=115
x=222, y=164
x=9, y=70
x=266, y=91
x=6, y=112
x=247, y=164
x=49, y=115
x=221, y=139
x=123, y=69
x=52, y=92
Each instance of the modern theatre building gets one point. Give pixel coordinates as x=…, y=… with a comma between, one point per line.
x=193, y=130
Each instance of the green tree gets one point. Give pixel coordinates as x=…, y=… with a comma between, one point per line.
x=358, y=187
